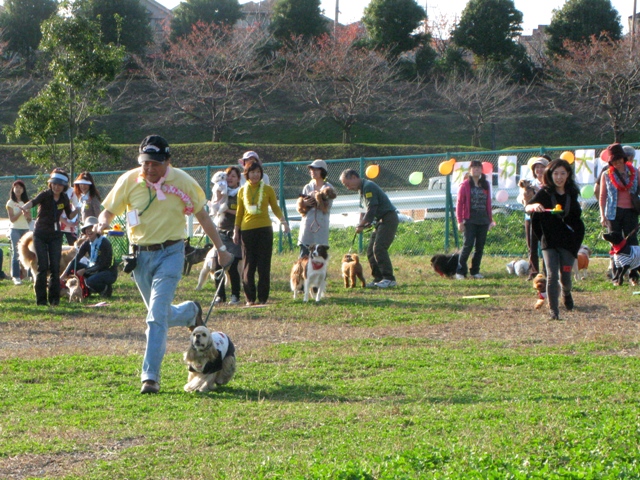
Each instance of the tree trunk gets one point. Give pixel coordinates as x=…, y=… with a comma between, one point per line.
x=475, y=138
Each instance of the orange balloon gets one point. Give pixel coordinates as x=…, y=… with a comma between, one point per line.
x=446, y=167
x=568, y=156
x=372, y=171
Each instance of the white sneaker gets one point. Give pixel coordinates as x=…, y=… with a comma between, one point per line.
x=371, y=285
x=477, y=276
x=459, y=276
x=234, y=300
x=17, y=281
x=386, y=283
x=217, y=301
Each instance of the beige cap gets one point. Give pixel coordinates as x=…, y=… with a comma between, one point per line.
x=318, y=164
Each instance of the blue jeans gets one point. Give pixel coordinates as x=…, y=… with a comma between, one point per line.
x=157, y=275
x=15, y=234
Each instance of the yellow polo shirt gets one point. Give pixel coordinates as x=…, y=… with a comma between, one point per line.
x=160, y=220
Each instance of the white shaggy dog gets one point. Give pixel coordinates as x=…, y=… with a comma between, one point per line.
x=208, y=269
x=211, y=359
x=518, y=267
x=309, y=273
x=219, y=194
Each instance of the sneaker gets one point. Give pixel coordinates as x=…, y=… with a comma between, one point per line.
x=149, y=386
x=568, y=301
x=373, y=284
x=217, y=301
x=17, y=281
x=198, y=322
x=234, y=300
x=386, y=283
x=459, y=276
x=249, y=304
x=477, y=276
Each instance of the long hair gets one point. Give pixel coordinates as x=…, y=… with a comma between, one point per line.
x=93, y=191
x=569, y=186
x=482, y=181
x=24, y=197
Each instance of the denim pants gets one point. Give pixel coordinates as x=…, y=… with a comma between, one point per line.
x=15, y=234
x=157, y=275
x=473, y=235
x=559, y=270
x=48, y=248
x=100, y=280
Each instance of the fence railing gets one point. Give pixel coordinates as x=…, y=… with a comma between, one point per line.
x=424, y=197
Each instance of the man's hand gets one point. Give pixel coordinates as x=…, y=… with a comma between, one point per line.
x=225, y=258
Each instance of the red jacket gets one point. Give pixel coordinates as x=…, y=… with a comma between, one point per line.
x=463, y=204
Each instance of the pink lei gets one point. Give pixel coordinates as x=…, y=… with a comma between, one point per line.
x=188, y=204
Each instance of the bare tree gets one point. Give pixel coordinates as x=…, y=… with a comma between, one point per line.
x=480, y=98
x=600, y=82
x=213, y=77
x=12, y=74
x=338, y=79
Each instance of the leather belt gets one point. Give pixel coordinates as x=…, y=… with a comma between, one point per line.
x=155, y=247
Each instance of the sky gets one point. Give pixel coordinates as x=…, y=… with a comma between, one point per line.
x=535, y=12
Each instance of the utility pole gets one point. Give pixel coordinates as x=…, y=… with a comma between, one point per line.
x=633, y=26
x=335, y=21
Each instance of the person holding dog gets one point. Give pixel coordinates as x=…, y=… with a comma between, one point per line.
x=378, y=210
x=155, y=197
x=254, y=231
x=475, y=219
x=48, y=235
x=314, y=204
x=94, y=261
x=19, y=224
x=556, y=219
x=619, y=182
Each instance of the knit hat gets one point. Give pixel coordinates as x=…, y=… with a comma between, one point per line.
x=154, y=148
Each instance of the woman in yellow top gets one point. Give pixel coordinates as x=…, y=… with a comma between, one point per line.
x=254, y=231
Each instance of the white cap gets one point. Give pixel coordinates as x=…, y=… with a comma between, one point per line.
x=318, y=164
x=250, y=154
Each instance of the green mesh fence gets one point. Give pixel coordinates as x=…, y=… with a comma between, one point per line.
x=424, y=197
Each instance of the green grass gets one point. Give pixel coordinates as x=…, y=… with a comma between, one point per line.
x=416, y=382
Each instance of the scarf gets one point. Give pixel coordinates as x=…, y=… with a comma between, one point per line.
x=158, y=185
x=232, y=192
x=161, y=189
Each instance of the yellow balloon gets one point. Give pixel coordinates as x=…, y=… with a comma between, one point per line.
x=446, y=167
x=568, y=156
x=372, y=171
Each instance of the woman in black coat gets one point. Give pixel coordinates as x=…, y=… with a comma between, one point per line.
x=556, y=221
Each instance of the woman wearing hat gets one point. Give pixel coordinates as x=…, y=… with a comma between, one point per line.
x=618, y=183
x=248, y=157
x=314, y=227
x=473, y=211
x=88, y=195
x=94, y=261
x=19, y=224
x=537, y=165
x=47, y=235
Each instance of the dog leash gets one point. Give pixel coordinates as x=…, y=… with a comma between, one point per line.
x=353, y=241
x=219, y=277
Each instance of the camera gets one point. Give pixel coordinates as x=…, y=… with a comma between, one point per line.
x=129, y=263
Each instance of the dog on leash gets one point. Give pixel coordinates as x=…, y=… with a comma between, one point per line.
x=352, y=270
x=74, y=289
x=219, y=194
x=309, y=273
x=29, y=259
x=581, y=264
x=540, y=285
x=209, y=270
x=445, y=265
x=193, y=255
x=518, y=267
x=211, y=360
x=626, y=258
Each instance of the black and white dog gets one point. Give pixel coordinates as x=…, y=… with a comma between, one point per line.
x=445, y=265
x=309, y=273
x=626, y=258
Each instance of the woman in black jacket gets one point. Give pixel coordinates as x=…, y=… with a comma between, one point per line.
x=556, y=221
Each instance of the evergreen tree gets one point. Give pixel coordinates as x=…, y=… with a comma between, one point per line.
x=293, y=18
x=20, y=22
x=190, y=12
x=391, y=25
x=578, y=20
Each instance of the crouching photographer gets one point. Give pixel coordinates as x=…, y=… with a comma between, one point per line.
x=94, y=261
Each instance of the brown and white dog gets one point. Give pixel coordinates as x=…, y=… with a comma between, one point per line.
x=352, y=270
x=540, y=284
x=211, y=359
x=321, y=198
x=208, y=270
x=75, y=290
x=309, y=273
x=29, y=259
x=581, y=264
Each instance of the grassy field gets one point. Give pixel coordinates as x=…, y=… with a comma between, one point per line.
x=413, y=382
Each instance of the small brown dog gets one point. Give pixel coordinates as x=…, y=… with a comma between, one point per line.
x=526, y=191
x=321, y=202
x=75, y=291
x=540, y=284
x=352, y=269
